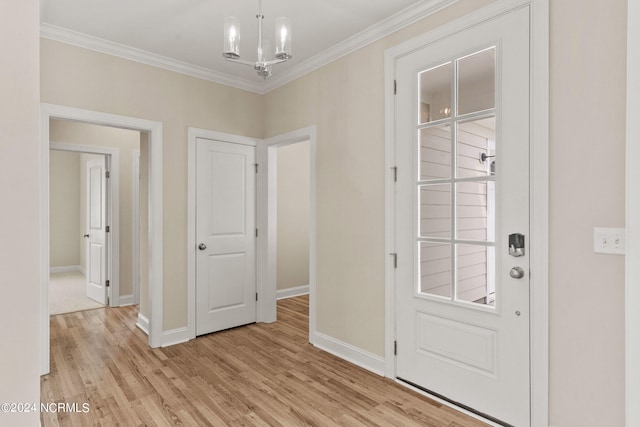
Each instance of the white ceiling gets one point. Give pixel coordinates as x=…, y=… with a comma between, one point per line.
x=186, y=35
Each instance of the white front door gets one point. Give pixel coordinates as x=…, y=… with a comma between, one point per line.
x=462, y=150
x=96, y=230
x=225, y=235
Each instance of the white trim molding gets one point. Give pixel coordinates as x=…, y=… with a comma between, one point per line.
x=74, y=38
x=382, y=29
x=357, y=356
x=143, y=323
x=539, y=193
x=292, y=292
x=175, y=336
x=67, y=269
x=155, y=264
x=539, y=326
x=267, y=217
x=135, y=183
x=390, y=25
x=632, y=266
x=126, y=300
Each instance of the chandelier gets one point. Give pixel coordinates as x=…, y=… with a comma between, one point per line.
x=263, y=64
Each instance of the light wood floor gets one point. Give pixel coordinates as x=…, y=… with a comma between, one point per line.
x=262, y=374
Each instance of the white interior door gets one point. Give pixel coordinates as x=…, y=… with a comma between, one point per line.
x=225, y=235
x=462, y=147
x=96, y=230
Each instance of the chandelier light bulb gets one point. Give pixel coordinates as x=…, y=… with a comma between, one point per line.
x=231, y=38
x=283, y=38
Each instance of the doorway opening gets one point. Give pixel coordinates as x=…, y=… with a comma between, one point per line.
x=266, y=220
x=150, y=241
x=293, y=200
x=94, y=216
x=79, y=210
x=289, y=204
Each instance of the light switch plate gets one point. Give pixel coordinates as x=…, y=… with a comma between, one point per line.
x=609, y=240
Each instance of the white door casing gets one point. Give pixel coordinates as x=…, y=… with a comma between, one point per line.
x=225, y=235
x=155, y=263
x=473, y=354
x=632, y=196
x=267, y=222
x=96, y=230
x=135, y=162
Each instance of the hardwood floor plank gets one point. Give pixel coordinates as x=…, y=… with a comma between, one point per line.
x=256, y=375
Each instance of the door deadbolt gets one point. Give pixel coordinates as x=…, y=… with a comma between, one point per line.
x=202, y=246
x=517, y=273
x=516, y=244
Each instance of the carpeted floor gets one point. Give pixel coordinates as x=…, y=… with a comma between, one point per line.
x=68, y=293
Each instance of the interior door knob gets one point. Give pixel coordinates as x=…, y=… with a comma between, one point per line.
x=86, y=236
x=517, y=273
x=202, y=246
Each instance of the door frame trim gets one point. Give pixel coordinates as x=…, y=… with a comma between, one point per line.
x=632, y=268
x=52, y=111
x=135, y=182
x=267, y=218
x=193, y=135
x=539, y=187
x=113, y=212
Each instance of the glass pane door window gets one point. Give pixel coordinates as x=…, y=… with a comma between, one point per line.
x=456, y=179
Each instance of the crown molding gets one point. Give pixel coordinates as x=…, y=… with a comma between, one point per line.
x=86, y=41
x=382, y=29
x=390, y=25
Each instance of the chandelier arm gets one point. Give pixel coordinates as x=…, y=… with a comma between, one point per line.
x=275, y=61
x=241, y=61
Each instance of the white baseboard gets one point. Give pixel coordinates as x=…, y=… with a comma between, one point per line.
x=143, y=323
x=67, y=269
x=292, y=292
x=125, y=300
x=350, y=353
x=175, y=336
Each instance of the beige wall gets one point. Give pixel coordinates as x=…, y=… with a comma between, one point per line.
x=65, y=237
x=20, y=245
x=125, y=141
x=345, y=100
x=588, y=63
x=81, y=78
x=293, y=215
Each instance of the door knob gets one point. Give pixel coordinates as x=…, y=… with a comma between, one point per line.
x=202, y=246
x=517, y=273
x=86, y=236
